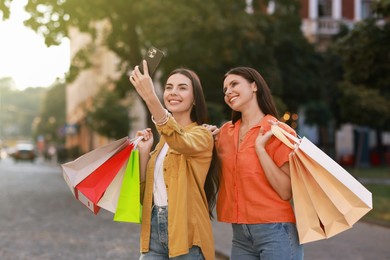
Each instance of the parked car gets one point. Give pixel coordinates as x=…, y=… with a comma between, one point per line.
x=24, y=152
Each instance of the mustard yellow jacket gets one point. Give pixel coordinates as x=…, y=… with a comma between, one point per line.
x=185, y=169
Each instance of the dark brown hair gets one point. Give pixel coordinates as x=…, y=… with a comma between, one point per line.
x=199, y=115
x=199, y=111
x=263, y=94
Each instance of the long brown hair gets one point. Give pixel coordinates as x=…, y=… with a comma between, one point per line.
x=199, y=115
x=263, y=94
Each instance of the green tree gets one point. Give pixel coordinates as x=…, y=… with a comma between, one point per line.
x=19, y=108
x=208, y=37
x=365, y=91
x=109, y=117
x=51, y=120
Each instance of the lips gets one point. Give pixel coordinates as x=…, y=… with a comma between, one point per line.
x=174, y=102
x=232, y=99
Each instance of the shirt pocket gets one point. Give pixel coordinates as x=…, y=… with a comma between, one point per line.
x=172, y=163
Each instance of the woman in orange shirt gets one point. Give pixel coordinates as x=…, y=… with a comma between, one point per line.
x=255, y=187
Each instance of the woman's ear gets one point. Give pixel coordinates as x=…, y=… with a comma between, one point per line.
x=254, y=87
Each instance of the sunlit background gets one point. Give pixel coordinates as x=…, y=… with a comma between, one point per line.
x=24, y=55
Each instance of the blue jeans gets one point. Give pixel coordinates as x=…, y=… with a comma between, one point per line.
x=271, y=241
x=158, y=246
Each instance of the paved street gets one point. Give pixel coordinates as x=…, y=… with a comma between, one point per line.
x=40, y=219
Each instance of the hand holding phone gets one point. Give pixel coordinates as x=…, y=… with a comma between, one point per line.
x=153, y=57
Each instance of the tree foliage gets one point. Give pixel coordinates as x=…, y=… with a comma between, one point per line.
x=18, y=108
x=208, y=37
x=365, y=53
x=109, y=118
x=5, y=9
x=52, y=116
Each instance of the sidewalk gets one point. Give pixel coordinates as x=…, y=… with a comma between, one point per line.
x=363, y=241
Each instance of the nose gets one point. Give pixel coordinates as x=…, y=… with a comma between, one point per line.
x=173, y=92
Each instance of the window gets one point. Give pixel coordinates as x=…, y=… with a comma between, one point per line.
x=324, y=8
x=367, y=9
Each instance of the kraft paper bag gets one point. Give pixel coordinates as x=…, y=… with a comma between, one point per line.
x=349, y=196
x=310, y=228
x=322, y=185
x=76, y=171
x=331, y=219
x=129, y=207
x=90, y=190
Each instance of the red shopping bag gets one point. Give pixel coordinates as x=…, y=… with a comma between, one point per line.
x=91, y=189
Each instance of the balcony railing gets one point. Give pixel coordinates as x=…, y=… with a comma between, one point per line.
x=328, y=26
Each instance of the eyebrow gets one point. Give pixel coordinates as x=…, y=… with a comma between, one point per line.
x=232, y=82
x=180, y=84
x=229, y=84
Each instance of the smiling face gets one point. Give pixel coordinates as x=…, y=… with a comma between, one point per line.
x=178, y=95
x=238, y=92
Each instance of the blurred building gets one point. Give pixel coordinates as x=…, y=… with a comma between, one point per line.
x=101, y=73
x=322, y=19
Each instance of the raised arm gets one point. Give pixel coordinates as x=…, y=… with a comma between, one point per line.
x=143, y=84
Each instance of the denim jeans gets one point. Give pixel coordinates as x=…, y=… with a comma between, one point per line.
x=158, y=247
x=271, y=241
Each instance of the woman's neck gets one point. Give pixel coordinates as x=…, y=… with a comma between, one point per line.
x=251, y=118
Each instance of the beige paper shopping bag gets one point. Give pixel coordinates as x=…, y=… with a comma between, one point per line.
x=337, y=197
x=332, y=221
x=349, y=196
x=310, y=227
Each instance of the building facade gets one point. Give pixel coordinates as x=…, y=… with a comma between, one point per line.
x=322, y=19
x=101, y=73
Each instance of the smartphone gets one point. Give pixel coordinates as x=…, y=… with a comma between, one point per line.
x=153, y=57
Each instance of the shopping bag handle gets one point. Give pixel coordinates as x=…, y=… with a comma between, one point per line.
x=136, y=140
x=284, y=136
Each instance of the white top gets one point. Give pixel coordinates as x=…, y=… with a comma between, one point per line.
x=159, y=189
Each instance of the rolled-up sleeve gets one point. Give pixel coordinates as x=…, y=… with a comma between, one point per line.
x=193, y=142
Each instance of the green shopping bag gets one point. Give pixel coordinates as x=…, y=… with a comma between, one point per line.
x=129, y=208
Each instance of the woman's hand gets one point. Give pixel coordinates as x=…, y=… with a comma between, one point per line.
x=143, y=83
x=279, y=178
x=213, y=130
x=264, y=136
x=145, y=145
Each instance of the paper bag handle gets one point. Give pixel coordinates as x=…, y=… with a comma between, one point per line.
x=135, y=141
x=284, y=136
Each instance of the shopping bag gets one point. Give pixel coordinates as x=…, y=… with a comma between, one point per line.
x=90, y=190
x=76, y=171
x=321, y=185
x=129, y=207
x=109, y=201
x=308, y=223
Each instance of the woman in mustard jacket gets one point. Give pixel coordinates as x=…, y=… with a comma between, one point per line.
x=178, y=178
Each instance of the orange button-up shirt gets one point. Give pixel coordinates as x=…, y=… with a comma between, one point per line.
x=245, y=195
